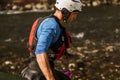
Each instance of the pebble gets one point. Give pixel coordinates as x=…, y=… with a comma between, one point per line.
x=79, y=49
x=28, y=6
x=12, y=67
x=72, y=66
x=109, y=48
x=95, y=51
x=8, y=62
x=8, y=40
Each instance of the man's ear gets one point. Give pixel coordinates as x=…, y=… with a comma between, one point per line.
x=65, y=14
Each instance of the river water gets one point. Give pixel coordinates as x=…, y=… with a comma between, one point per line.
x=95, y=38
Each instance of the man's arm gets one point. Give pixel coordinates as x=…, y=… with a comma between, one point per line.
x=44, y=65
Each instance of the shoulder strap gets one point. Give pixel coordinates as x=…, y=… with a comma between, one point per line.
x=64, y=33
x=63, y=42
x=32, y=33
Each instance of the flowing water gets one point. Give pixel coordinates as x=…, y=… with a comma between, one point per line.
x=95, y=38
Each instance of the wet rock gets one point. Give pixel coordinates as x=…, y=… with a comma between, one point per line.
x=95, y=51
x=8, y=62
x=87, y=41
x=109, y=48
x=117, y=66
x=41, y=6
x=96, y=3
x=80, y=55
x=79, y=35
x=22, y=40
x=117, y=30
x=72, y=66
x=87, y=51
x=15, y=7
x=79, y=49
x=28, y=7
x=102, y=76
x=12, y=67
x=8, y=40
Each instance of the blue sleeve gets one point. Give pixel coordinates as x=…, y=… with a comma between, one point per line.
x=45, y=35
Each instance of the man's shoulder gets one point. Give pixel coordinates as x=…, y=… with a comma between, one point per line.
x=49, y=21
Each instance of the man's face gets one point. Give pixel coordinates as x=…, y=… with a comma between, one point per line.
x=72, y=17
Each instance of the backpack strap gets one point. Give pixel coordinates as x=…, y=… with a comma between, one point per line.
x=63, y=42
x=32, y=39
x=66, y=44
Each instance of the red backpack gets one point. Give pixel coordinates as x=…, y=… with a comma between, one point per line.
x=32, y=39
x=59, y=48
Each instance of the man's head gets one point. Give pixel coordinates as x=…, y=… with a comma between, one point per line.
x=69, y=9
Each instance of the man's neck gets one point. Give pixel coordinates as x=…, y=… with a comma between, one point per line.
x=58, y=14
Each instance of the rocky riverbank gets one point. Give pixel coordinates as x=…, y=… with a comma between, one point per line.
x=22, y=5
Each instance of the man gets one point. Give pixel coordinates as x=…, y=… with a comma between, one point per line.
x=52, y=41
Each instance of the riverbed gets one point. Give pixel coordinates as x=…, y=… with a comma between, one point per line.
x=95, y=48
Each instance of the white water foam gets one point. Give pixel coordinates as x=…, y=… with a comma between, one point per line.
x=79, y=35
